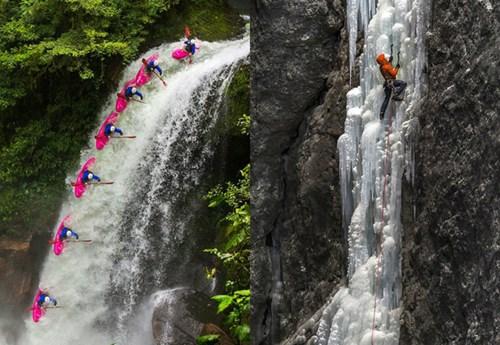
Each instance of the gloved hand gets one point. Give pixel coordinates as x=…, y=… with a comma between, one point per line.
x=398, y=66
x=76, y=236
x=390, y=58
x=98, y=179
x=55, y=302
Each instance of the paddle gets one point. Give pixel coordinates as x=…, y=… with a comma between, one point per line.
x=97, y=183
x=159, y=77
x=48, y=307
x=145, y=63
x=121, y=136
x=137, y=100
x=125, y=137
x=72, y=241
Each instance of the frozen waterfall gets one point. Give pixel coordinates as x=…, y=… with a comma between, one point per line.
x=372, y=160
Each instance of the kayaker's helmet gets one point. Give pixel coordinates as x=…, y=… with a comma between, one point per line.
x=90, y=176
x=112, y=128
x=155, y=63
x=46, y=299
x=68, y=233
x=134, y=90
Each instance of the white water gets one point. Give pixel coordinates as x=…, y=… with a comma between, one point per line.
x=369, y=159
x=82, y=277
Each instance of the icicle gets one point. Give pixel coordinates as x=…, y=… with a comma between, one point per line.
x=352, y=27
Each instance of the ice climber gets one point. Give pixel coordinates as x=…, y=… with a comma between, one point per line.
x=392, y=86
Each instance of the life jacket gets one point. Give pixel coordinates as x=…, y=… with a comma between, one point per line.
x=64, y=233
x=41, y=299
x=190, y=46
x=388, y=71
x=128, y=91
x=151, y=65
x=85, y=176
x=107, y=129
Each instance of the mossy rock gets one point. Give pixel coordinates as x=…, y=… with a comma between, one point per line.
x=209, y=20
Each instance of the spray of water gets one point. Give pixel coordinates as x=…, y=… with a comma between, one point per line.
x=169, y=153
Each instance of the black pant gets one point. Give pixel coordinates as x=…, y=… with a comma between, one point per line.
x=398, y=86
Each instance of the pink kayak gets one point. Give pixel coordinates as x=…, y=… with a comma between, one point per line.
x=101, y=139
x=58, y=245
x=121, y=99
x=143, y=76
x=79, y=186
x=36, y=311
x=180, y=54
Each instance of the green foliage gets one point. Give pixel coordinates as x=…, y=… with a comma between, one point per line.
x=233, y=253
x=210, y=20
x=68, y=36
x=244, y=124
x=59, y=61
x=209, y=339
x=235, y=195
x=243, y=331
x=237, y=308
x=238, y=95
x=235, y=225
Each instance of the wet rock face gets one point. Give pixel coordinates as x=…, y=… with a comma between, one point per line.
x=451, y=254
x=15, y=281
x=181, y=315
x=298, y=249
x=19, y=265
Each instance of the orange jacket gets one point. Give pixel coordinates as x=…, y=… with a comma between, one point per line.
x=388, y=72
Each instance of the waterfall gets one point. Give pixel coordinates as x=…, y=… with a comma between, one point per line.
x=139, y=225
x=372, y=160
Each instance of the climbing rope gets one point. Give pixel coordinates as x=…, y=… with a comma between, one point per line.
x=378, y=246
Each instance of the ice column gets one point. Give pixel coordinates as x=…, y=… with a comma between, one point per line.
x=372, y=158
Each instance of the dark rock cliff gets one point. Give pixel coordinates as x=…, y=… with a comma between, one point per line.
x=451, y=254
x=20, y=262
x=298, y=112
